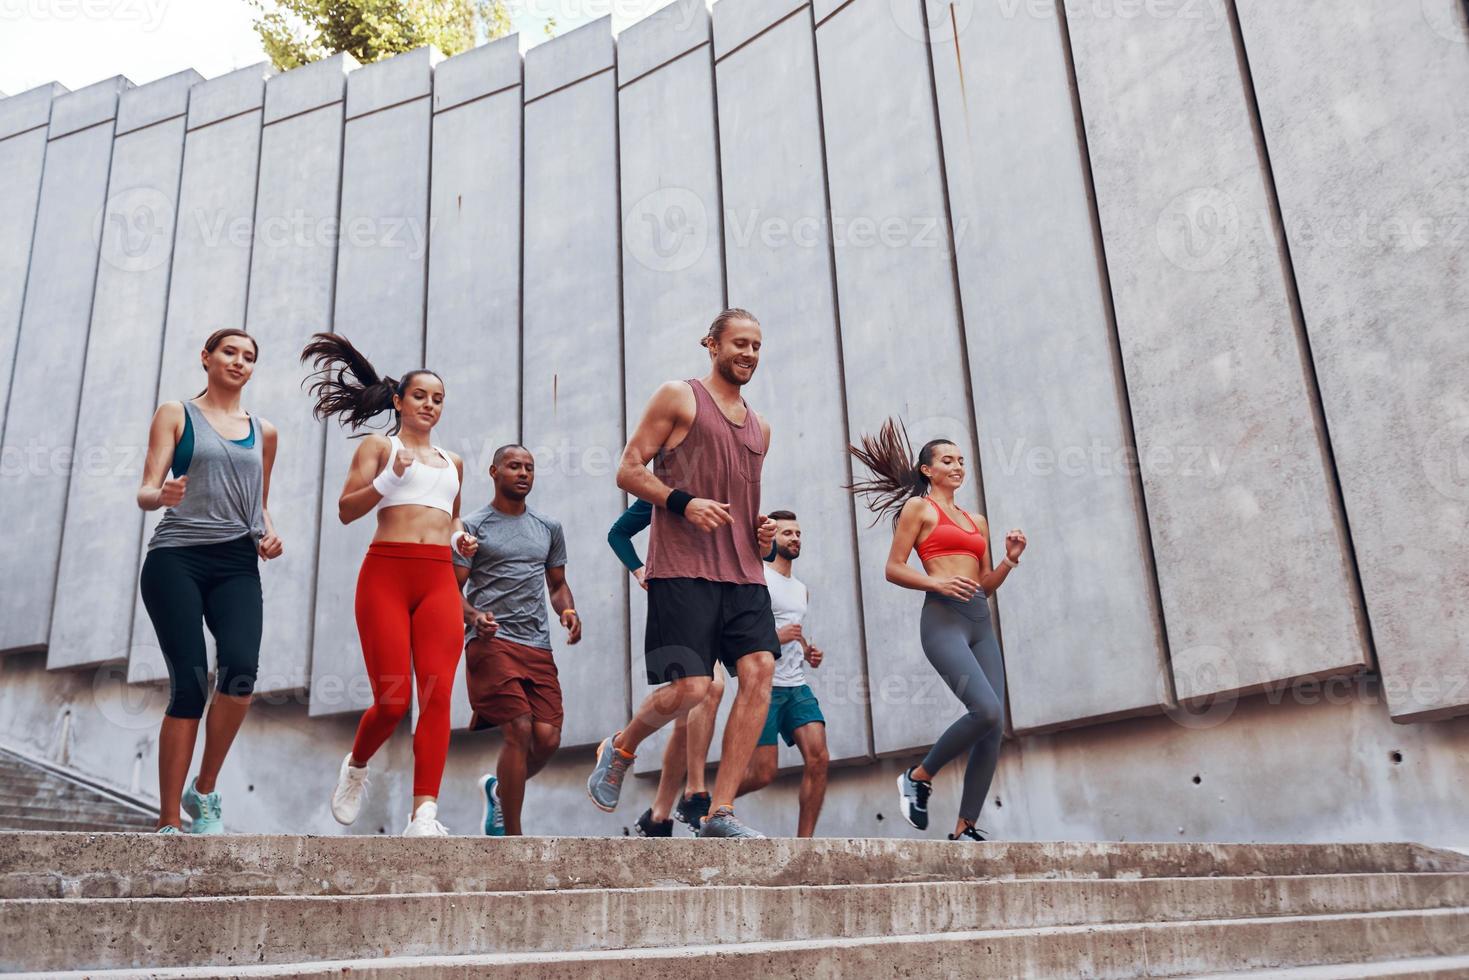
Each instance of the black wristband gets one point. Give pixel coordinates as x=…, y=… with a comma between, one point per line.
x=678, y=501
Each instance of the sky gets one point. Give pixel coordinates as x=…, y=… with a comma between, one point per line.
x=77, y=42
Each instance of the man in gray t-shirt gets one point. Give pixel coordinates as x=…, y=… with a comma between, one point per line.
x=512, y=676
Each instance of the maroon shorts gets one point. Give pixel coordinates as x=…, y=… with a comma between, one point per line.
x=507, y=680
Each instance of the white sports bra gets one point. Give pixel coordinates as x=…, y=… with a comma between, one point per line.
x=420, y=484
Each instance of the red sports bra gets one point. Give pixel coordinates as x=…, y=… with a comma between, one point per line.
x=951, y=539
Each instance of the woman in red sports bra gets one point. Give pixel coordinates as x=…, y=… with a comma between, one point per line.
x=954, y=627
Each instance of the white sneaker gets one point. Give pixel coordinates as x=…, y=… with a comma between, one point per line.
x=425, y=822
x=351, y=790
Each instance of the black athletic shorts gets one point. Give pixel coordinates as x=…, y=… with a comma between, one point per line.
x=692, y=622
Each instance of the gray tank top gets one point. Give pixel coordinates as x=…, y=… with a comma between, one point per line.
x=223, y=499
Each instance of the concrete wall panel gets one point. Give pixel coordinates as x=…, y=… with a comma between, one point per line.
x=902, y=339
x=23, y=123
x=209, y=285
x=769, y=86
x=672, y=262
x=572, y=355
x=1254, y=571
x=1035, y=308
x=473, y=332
x=292, y=276
x=93, y=617
x=1372, y=167
x=49, y=355
x=379, y=306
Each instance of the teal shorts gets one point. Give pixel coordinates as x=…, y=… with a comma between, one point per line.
x=790, y=708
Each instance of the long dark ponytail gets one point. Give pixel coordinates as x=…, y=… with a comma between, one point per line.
x=348, y=386
x=896, y=479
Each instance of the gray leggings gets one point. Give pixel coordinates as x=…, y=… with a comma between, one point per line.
x=960, y=644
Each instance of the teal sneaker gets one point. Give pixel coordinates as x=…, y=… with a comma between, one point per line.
x=604, y=785
x=494, y=817
x=206, y=810
x=168, y=828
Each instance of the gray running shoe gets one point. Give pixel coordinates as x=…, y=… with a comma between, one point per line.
x=723, y=823
x=913, y=799
x=604, y=785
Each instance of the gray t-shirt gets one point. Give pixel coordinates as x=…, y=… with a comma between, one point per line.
x=507, y=576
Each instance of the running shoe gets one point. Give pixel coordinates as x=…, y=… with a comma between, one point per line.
x=913, y=799
x=205, y=809
x=604, y=785
x=969, y=833
x=723, y=823
x=692, y=810
x=168, y=828
x=494, y=818
x=351, y=790
x=648, y=827
x=425, y=822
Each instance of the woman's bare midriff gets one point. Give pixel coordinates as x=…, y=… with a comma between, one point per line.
x=948, y=566
x=413, y=524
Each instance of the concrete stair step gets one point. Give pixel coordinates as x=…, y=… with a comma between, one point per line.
x=1093, y=952
x=1426, y=968
x=49, y=866
x=66, y=808
x=53, y=824
x=47, y=934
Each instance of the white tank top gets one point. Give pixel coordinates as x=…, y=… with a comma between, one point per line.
x=423, y=485
x=788, y=602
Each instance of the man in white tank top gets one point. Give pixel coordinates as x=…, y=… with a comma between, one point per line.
x=794, y=713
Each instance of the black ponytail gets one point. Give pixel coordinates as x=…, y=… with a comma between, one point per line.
x=348, y=386
x=896, y=479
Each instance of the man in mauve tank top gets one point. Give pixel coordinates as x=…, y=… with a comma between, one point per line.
x=707, y=598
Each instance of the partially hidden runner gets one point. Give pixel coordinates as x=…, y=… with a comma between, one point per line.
x=795, y=714
x=513, y=682
x=693, y=733
x=707, y=597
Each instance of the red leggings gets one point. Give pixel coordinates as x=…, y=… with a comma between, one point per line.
x=412, y=626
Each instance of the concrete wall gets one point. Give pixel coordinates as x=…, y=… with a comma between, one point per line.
x=209, y=285
x=1371, y=172
x=571, y=410
x=92, y=621
x=1191, y=300
x=1223, y=405
x=293, y=264
x=473, y=334
x=54, y=325
x=382, y=272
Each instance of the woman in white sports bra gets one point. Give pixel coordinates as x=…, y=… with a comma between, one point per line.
x=409, y=615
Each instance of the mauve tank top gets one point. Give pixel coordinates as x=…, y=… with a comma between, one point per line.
x=717, y=460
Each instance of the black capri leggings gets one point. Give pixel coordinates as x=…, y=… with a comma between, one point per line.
x=214, y=584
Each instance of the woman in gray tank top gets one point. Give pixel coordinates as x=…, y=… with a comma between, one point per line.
x=203, y=567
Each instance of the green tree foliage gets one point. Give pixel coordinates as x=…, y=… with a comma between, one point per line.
x=298, y=32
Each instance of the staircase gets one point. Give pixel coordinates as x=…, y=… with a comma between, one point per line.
x=37, y=797
x=117, y=905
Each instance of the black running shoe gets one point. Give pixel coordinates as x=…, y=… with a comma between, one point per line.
x=913, y=799
x=648, y=827
x=692, y=810
x=969, y=833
